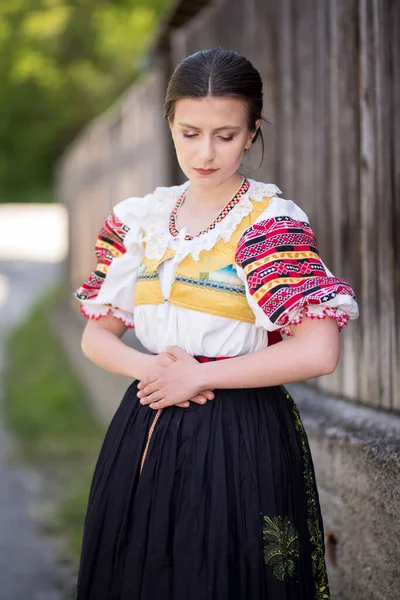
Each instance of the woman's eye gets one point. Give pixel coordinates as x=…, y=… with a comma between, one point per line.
x=221, y=137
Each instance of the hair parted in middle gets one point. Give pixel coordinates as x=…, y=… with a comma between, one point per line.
x=217, y=72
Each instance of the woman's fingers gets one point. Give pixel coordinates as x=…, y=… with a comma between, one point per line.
x=203, y=397
x=206, y=395
x=199, y=399
x=155, y=405
x=146, y=390
x=154, y=397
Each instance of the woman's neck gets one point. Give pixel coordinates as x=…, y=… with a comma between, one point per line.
x=215, y=197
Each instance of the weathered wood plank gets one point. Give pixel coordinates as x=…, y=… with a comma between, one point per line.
x=384, y=232
x=349, y=219
x=334, y=179
x=369, y=375
x=285, y=123
x=392, y=189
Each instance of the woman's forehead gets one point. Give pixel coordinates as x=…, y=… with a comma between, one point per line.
x=220, y=111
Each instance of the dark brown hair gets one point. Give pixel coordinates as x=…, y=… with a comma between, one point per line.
x=217, y=72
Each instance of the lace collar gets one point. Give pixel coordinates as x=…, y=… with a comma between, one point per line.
x=156, y=225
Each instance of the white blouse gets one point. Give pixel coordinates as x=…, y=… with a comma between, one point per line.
x=200, y=334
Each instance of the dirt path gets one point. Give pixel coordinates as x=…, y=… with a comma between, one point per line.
x=28, y=559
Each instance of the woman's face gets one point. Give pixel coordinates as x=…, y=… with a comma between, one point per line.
x=210, y=134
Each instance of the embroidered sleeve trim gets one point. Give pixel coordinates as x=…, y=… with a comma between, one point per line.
x=96, y=312
x=285, y=275
x=109, y=245
x=340, y=317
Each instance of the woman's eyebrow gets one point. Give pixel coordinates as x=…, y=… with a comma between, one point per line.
x=217, y=129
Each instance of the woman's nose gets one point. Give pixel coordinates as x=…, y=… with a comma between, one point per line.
x=206, y=150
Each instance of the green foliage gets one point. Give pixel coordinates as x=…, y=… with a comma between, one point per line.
x=62, y=63
x=46, y=409
x=44, y=400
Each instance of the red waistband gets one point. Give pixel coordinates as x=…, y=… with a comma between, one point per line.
x=204, y=359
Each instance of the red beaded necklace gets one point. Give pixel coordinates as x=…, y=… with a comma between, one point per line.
x=172, y=220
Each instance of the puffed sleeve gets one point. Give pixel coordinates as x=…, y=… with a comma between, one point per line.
x=119, y=250
x=278, y=260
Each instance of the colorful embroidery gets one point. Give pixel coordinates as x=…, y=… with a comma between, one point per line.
x=340, y=317
x=314, y=523
x=213, y=285
x=109, y=245
x=281, y=546
x=91, y=311
x=236, y=198
x=147, y=276
x=213, y=276
x=284, y=272
x=225, y=280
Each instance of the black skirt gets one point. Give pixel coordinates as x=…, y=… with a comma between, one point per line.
x=225, y=506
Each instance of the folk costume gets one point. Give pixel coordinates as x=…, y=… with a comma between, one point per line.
x=215, y=501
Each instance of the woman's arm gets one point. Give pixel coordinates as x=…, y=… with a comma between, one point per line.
x=102, y=344
x=312, y=351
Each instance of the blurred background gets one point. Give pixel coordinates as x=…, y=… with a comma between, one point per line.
x=81, y=127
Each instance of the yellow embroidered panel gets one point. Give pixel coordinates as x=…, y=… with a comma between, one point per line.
x=209, y=285
x=147, y=286
x=219, y=292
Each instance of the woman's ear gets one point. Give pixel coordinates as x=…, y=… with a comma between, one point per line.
x=253, y=134
x=258, y=125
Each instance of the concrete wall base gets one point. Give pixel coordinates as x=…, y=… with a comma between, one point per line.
x=356, y=453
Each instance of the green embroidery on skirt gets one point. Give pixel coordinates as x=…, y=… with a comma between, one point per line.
x=281, y=546
x=315, y=531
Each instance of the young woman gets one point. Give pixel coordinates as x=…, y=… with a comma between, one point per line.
x=204, y=488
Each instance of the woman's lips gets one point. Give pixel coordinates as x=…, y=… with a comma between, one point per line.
x=206, y=171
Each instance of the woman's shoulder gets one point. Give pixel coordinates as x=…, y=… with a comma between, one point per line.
x=277, y=205
x=140, y=207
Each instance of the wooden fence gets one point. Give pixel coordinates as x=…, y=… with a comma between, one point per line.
x=332, y=96
x=123, y=153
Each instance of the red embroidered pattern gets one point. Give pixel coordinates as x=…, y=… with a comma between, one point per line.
x=110, y=243
x=236, y=198
x=329, y=312
x=266, y=246
x=109, y=311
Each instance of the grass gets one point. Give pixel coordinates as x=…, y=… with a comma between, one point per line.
x=41, y=194
x=46, y=409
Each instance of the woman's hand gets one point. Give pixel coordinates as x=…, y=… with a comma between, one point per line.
x=175, y=384
x=164, y=361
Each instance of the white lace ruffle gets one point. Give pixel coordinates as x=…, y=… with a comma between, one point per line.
x=156, y=224
x=318, y=312
x=92, y=311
